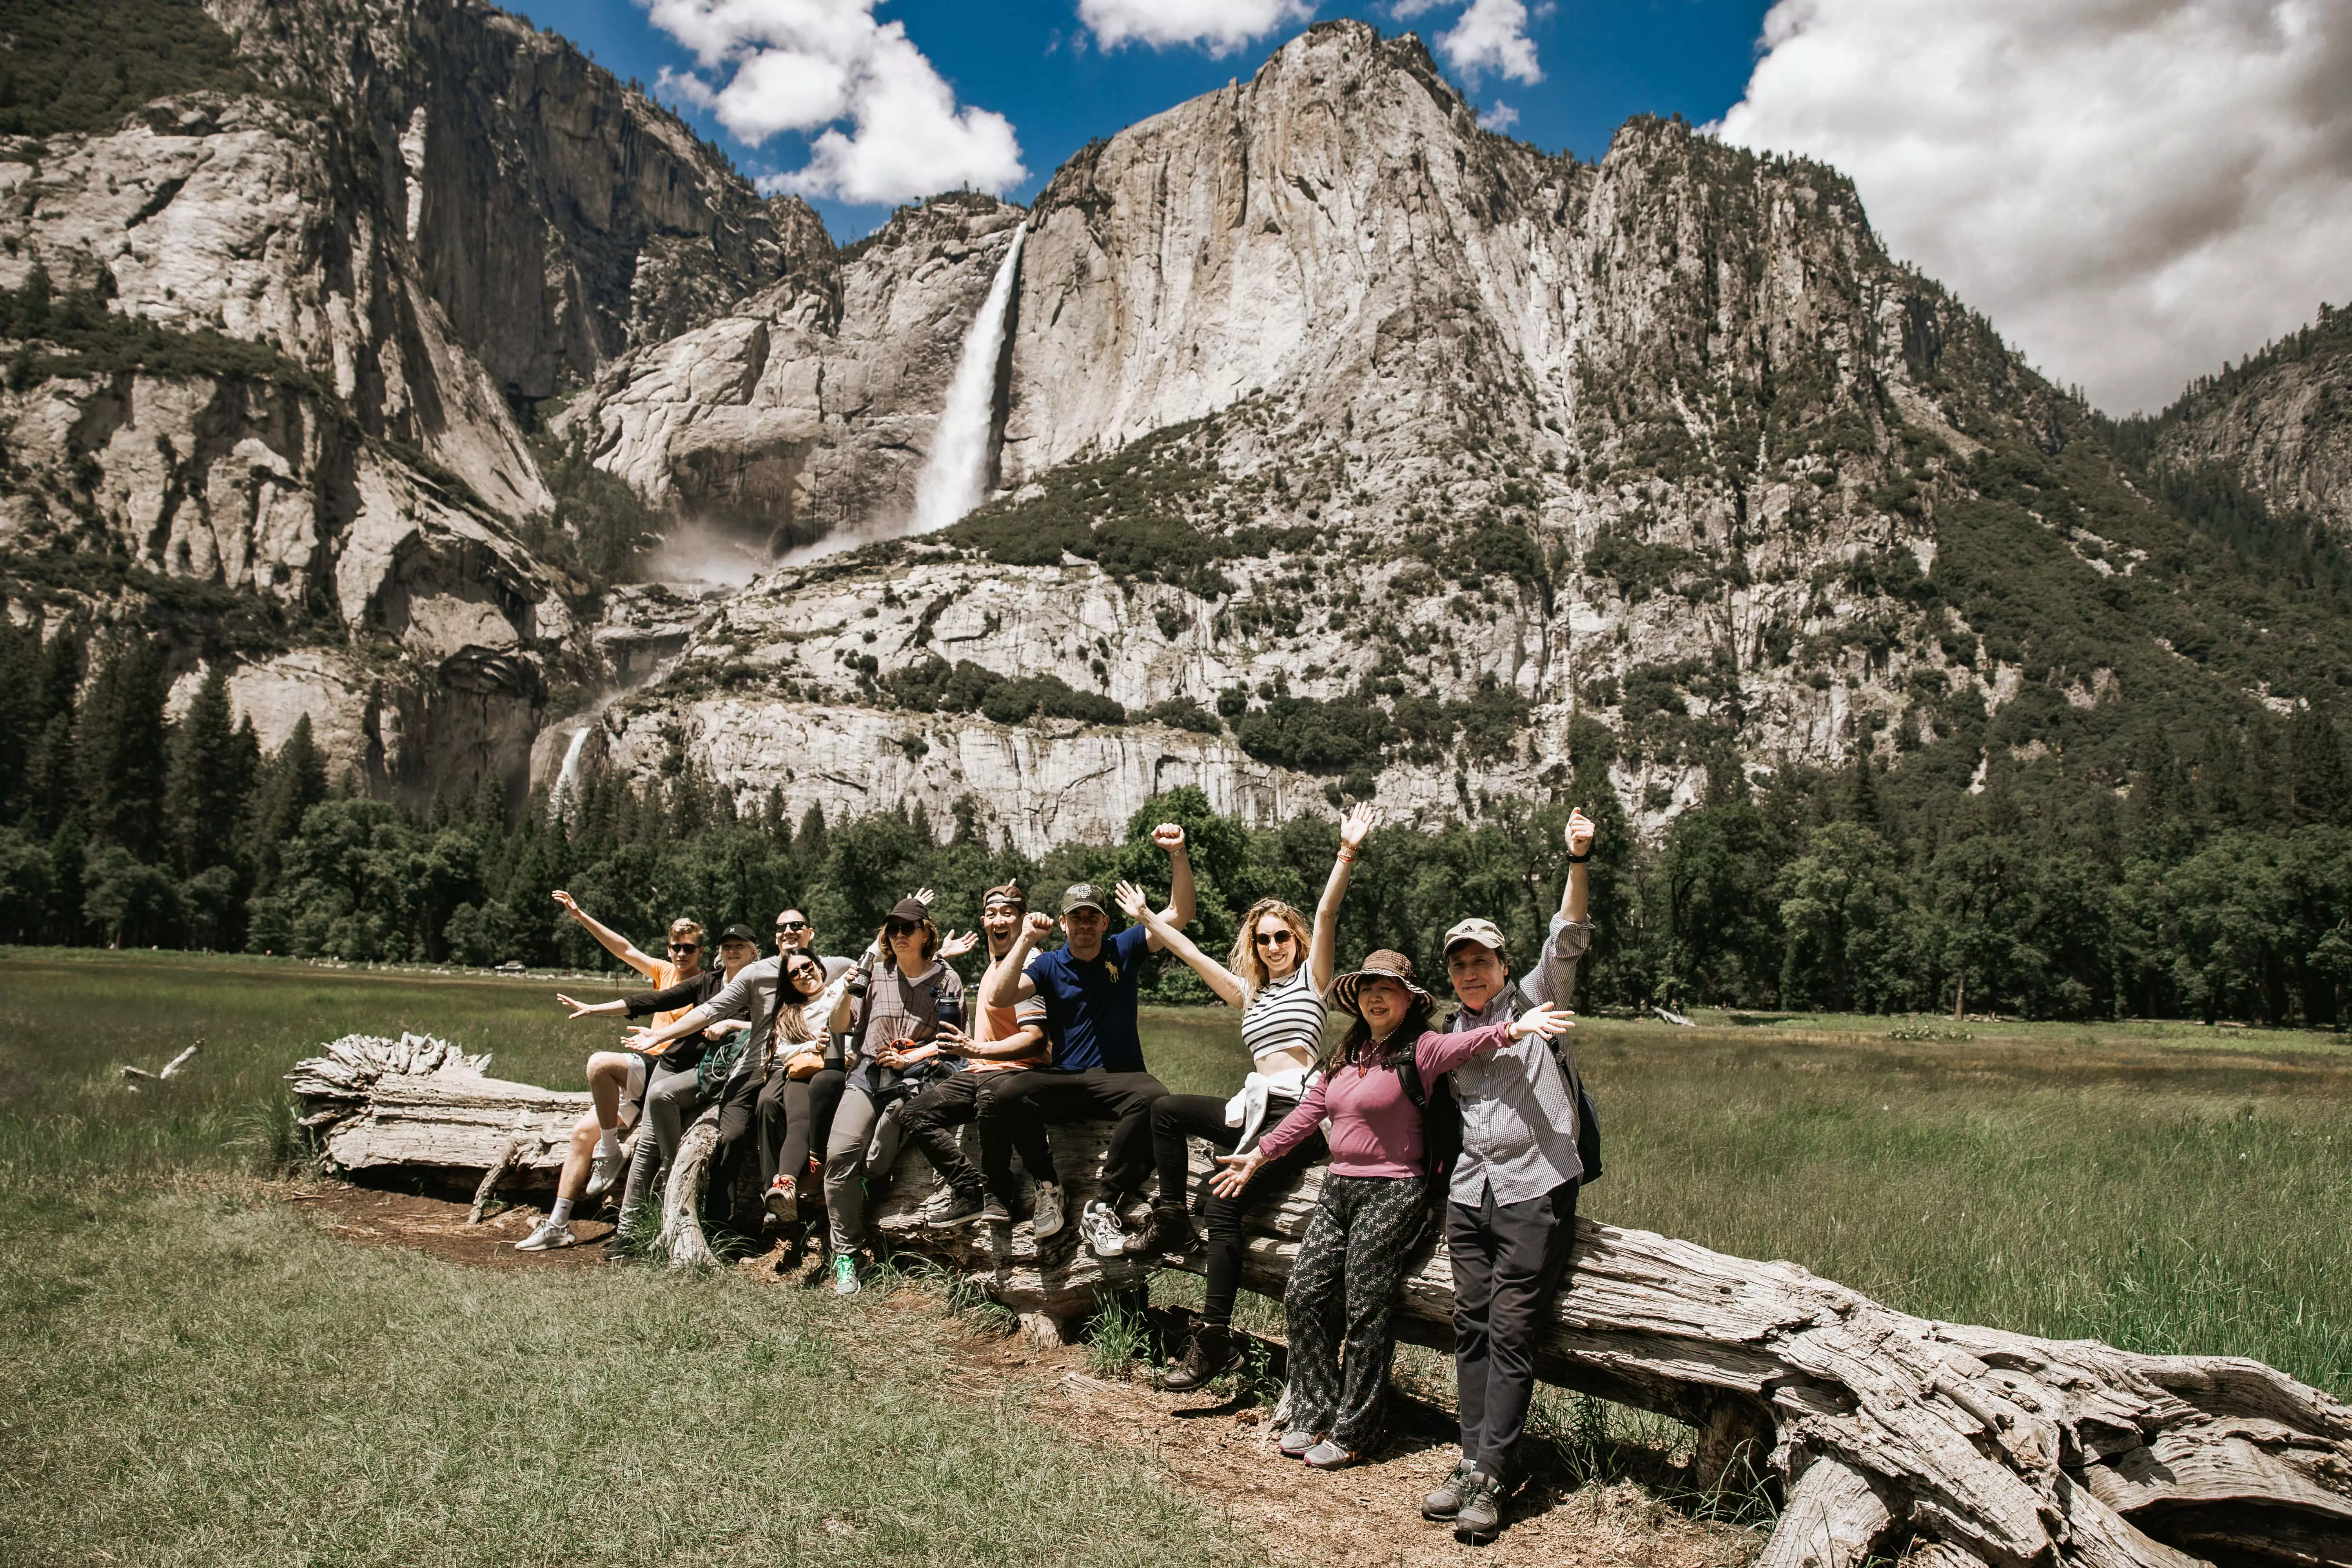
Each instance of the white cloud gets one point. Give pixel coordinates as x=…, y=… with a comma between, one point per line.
x=772, y=66
x=1501, y=117
x=1220, y=26
x=2133, y=190
x=1491, y=35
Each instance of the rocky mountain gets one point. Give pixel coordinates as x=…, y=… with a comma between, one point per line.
x=2280, y=421
x=1336, y=445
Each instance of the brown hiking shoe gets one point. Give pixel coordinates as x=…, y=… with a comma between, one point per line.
x=1212, y=1354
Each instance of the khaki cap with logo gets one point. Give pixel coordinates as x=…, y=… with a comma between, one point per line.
x=1082, y=896
x=1483, y=932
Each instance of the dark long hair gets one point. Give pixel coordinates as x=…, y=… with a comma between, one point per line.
x=1359, y=1041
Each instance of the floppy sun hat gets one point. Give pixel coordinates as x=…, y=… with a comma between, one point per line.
x=1384, y=964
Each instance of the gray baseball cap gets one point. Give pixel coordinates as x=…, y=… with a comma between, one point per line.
x=1084, y=896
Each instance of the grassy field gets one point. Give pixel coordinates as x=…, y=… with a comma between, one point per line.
x=194, y=1375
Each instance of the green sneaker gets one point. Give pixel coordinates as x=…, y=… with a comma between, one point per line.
x=844, y=1275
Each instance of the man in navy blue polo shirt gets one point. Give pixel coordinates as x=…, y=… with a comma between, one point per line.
x=1096, y=1073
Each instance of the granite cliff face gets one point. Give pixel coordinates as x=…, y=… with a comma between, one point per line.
x=1338, y=446
x=1456, y=421
x=2280, y=421
x=293, y=333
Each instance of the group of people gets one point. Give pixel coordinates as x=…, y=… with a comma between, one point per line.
x=823, y=1068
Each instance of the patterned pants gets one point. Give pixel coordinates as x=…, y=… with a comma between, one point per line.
x=1341, y=1299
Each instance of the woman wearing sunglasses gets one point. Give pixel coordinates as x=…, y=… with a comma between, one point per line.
x=1276, y=975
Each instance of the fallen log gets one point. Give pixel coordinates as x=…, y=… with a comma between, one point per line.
x=1887, y=1434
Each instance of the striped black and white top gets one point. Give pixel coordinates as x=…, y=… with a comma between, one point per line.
x=1286, y=1016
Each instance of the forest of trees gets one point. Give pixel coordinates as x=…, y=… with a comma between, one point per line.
x=2218, y=886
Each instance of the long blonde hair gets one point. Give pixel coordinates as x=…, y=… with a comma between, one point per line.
x=1247, y=965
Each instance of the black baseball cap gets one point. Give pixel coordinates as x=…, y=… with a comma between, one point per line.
x=737, y=932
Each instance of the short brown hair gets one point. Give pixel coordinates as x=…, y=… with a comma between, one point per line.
x=686, y=925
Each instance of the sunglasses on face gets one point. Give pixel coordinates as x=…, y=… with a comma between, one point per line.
x=1272, y=938
x=686, y=947
x=900, y=933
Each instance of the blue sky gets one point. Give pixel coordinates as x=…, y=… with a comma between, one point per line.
x=1037, y=63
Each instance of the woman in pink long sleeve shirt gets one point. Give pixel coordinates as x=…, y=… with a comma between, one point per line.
x=1342, y=1290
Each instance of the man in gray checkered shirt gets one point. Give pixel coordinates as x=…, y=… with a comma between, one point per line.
x=1510, y=1211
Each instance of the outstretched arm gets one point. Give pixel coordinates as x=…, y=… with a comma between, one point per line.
x=1322, y=953
x=1170, y=837
x=614, y=943
x=1576, y=897
x=1221, y=979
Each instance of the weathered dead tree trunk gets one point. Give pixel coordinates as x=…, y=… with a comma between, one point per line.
x=418, y=1104
x=1888, y=1433
x=681, y=1239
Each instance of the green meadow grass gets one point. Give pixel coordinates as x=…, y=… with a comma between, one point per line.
x=190, y=1373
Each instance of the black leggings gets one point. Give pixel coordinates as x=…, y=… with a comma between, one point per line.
x=791, y=1119
x=1179, y=1117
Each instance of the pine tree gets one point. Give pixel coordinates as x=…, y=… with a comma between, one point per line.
x=22, y=715
x=292, y=782
x=809, y=844
x=209, y=783
x=121, y=746
x=2319, y=787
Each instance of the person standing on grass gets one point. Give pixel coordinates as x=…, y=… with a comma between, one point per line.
x=895, y=1011
x=1511, y=1214
x=1096, y=1074
x=1003, y=1039
x=1339, y=1307
x=1278, y=976
x=737, y=948
x=617, y=1082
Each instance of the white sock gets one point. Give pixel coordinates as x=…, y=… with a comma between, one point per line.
x=560, y=1213
x=608, y=1142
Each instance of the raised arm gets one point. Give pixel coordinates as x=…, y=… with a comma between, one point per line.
x=1553, y=978
x=1170, y=837
x=1007, y=983
x=1576, y=897
x=1323, y=951
x=1221, y=979
x=614, y=943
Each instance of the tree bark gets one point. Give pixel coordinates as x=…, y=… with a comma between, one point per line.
x=1962, y=1447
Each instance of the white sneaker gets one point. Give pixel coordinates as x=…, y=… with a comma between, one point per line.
x=551, y=1235
x=1045, y=1213
x=1100, y=1224
x=844, y=1275
x=603, y=1171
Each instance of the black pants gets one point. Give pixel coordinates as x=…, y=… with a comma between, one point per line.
x=1021, y=1103
x=931, y=1118
x=1177, y=1117
x=794, y=1120
x=1507, y=1260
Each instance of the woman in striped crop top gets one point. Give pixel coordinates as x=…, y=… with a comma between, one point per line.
x=1276, y=974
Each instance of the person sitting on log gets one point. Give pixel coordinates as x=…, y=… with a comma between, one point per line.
x=1510, y=1211
x=787, y=993
x=1338, y=1308
x=1096, y=1074
x=617, y=1082
x=794, y=1108
x=1003, y=1039
x=894, y=1009
x=737, y=947
x=1278, y=976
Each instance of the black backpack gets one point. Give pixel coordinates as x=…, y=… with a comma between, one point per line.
x=1441, y=1114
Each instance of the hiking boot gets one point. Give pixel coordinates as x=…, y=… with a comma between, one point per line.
x=994, y=1212
x=955, y=1209
x=1170, y=1234
x=845, y=1274
x=784, y=1200
x=1446, y=1500
x=1211, y=1354
x=603, y=1171
x=1479, y=1518
x=1328, y=1455
x=1045, y=1215
x=551, y=1235
x=1295, y=1442
x=1106, y=1234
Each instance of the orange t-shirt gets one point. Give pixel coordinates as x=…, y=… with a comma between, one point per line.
x=1001, y=1024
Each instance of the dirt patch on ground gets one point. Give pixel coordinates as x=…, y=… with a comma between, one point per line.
x=1368, y=1516
x=374, y=1217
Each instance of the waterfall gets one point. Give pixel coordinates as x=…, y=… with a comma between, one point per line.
x=955, y=476
x=567, y=779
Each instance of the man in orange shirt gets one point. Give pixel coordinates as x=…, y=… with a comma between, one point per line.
x=1002, y=1038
